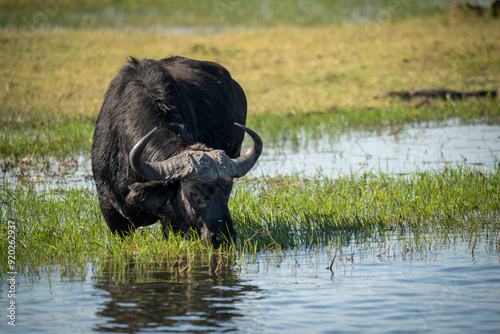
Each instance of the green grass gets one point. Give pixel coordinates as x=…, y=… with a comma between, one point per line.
x=205, y=14
x=302, y=212
x=64, y=226
x=41, y=138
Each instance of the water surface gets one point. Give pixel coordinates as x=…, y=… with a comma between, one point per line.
x=416, y=147
x=433, y=288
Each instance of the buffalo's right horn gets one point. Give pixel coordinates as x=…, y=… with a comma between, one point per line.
x=244, y=163
x=174, y=168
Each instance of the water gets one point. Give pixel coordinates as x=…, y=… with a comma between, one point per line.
x=53, y=173
x=417, y=147
x=436, y=288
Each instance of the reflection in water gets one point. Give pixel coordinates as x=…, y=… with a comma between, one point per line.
x=437, y=286
x=201, y=299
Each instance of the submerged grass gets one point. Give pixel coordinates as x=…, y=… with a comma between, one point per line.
x=64, y=227
x=301, y=212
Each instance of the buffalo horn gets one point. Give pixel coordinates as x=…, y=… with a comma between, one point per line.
x=244, y=163
x=173, y=168
x=138, y=165
x=187, y=163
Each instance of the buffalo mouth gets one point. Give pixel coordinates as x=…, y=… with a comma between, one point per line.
x=225, y=235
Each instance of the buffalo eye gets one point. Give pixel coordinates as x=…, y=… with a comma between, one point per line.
x=197, y=196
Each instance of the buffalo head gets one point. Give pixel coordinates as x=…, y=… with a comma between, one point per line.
x=205, y=179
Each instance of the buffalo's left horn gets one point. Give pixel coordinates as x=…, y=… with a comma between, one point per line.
x=174, y=168
x=244, y=163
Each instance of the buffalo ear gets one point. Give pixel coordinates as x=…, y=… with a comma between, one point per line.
x=150, y=196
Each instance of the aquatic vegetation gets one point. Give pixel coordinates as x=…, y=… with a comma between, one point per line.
x=302, y=212
x=64, y=226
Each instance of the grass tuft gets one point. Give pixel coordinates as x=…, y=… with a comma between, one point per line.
x=64, y=226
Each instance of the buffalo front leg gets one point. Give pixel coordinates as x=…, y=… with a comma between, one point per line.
x=115, y=221
x=167, y=226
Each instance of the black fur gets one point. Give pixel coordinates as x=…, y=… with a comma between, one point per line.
x=191, y=102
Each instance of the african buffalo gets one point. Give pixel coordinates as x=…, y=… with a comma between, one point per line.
x=167, y=146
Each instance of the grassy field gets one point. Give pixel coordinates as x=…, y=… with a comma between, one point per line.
x=315, y=72
x=53, y=81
